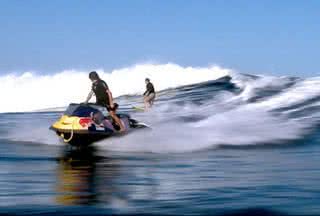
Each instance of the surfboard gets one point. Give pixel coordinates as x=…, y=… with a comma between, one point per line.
x=141, y=109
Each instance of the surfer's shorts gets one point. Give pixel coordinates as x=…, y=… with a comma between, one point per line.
x=150, y=98
x=115, y=106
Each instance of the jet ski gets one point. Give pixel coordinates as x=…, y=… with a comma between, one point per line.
x=83, y=124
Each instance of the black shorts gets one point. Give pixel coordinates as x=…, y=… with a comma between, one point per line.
x=115, y=106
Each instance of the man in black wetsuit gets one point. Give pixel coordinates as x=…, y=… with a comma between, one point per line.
x=149, y=95
x=104, y=97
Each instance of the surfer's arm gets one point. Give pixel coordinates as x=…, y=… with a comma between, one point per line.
x=89, y=96
x=110, y=97
x=147, y=92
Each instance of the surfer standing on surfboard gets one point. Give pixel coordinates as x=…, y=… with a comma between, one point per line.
x=149, y=95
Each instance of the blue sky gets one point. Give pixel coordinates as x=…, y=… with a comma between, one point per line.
x=270, y=37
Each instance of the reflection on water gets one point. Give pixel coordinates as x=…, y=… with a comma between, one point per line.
x=188, y=183
x=84, y=178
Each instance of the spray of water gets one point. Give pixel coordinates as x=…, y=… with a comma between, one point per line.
x=229, y=118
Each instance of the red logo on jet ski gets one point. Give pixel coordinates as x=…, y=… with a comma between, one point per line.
x=84, y=122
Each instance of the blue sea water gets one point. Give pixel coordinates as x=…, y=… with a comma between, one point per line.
x=216, y=148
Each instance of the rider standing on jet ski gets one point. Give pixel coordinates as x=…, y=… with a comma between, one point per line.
x=104, y=97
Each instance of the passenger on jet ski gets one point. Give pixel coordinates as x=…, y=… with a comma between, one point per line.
x=104, y=97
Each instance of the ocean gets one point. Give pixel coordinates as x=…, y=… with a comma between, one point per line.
x=222, y=144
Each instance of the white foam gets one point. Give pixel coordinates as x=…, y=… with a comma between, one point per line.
x=244, y=125
x=228, y=119
x=30, y=91
x=234, y=124
x=298, y=93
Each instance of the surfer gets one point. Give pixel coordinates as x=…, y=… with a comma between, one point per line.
x=149, y=95
x=103, y=97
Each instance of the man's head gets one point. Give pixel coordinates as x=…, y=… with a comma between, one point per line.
x=147, y=80
x=93, y=75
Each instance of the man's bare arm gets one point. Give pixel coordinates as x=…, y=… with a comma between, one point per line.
x=110, y=97
x=89, y=96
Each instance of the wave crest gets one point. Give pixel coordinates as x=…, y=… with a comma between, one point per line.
x=30, y=91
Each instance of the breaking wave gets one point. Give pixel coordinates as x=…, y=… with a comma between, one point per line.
x=30, y=91
x=196, y=109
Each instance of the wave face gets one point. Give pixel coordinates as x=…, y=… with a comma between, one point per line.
x=196, y=109
x=30, y=92
x=244, y=111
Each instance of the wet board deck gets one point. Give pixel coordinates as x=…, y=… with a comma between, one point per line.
x=141, y=109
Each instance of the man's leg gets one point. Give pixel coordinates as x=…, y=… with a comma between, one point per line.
x=148, y=101
x=152, y=96
x=118, y=121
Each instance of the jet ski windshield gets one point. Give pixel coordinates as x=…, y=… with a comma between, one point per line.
x=83, y=110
